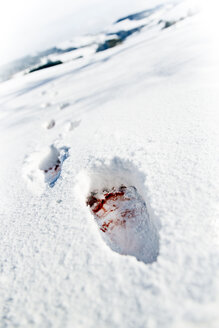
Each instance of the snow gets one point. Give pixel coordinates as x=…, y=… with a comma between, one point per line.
x=142, y=114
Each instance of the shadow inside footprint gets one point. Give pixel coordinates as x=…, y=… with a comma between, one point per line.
x=51, y=165
x=121, y=212
x=50, y=124
x=71, y=125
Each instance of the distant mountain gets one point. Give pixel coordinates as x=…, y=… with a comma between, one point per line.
x=117, y=33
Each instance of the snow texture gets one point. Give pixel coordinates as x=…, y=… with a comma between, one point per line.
x=142, y=115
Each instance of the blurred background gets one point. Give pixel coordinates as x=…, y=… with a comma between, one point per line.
x=28, y=27
x=33, y=25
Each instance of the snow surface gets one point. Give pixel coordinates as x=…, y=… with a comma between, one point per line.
x=151, y=101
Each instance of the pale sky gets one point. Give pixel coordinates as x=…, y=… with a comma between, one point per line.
x=31, y=25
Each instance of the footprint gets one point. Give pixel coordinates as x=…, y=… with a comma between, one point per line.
x=64, y=105
x=69, y=126
x=46, y=105
x=51, y=165
x=44, y=167
x=49, y=125
x=117, y=200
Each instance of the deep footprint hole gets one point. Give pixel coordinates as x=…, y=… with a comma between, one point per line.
x=121, y=211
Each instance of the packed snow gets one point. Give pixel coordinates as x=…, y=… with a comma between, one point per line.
x=109, y=179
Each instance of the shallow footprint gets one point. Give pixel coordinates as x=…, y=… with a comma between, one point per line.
x=121, y=212
x=64, y=105
x=71, y=125
x=49, y=125
x=44, y=167
x=51, y=165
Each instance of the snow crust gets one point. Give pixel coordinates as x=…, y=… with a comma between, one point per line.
x=151, y=101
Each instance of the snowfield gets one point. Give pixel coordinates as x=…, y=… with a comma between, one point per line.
x=109, y=180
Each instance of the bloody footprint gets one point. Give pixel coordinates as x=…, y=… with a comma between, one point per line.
x=122, y=217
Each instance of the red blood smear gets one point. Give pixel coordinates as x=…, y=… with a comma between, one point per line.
x=98, y=204
x=114, y=196
x=128, y=213
x=106, y=225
